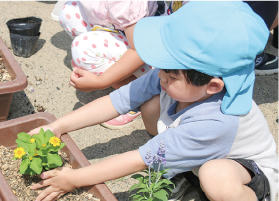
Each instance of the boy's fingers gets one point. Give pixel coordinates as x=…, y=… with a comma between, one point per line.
x=48, y=195
x=41, y=184
x=59, y=196
x=51, y=173
x=46, y=176
x=34, y=131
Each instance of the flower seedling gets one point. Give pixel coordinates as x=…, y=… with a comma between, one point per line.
x=38, y=152
x=153, y=186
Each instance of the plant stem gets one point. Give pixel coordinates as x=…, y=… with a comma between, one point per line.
x=149, y=176
x=158, y=172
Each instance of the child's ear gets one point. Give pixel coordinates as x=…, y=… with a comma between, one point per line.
x=215, y=86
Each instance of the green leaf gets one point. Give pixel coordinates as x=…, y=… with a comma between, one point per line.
x=145, y=171
x=44, y=139
x=135, y=186
x=38, y=141
x=62, y=145
x=138, y=198
x=23, y=166
x=42, y=152
x=36, y=165
x=167, y=181
x=54, y=159
x=137, y=176
x=51, y=166
x=164, y=181
x=24, y=157
x=32, y=149
x=162, y=195
x=165, y=187
x=24, y=137
x=42, y=132
x=22, y=144
x=46, y=167
x=56, y=149
x=143, y=191
x=44, y=162
x=30, y=171
x=49, y=134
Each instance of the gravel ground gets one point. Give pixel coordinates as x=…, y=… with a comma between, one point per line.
x=48, y=72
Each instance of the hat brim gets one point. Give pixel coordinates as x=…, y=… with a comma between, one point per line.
x=150, y=47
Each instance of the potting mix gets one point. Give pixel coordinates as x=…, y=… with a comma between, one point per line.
x=4, y=75
x=22, y=167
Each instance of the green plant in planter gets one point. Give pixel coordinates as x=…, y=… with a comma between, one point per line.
x=153, y=187
x=38, y=152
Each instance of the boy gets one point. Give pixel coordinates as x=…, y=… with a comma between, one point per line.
x=200, y=98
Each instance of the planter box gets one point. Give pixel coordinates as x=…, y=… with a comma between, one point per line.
x=8, y=134
x=18, y=82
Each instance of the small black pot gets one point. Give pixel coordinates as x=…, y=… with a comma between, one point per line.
x=24, y=46
x=29, y=26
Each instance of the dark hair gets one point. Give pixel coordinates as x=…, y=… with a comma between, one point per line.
x=193, y=77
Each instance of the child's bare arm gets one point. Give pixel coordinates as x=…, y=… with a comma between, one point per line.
x=95, y=112
x=128, y=63
x=60, y=181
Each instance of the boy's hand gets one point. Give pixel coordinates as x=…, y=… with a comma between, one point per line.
x=85, y=81
x=45, y=127
x=58, y=181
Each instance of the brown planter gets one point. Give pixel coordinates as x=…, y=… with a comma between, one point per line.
x=8, y=134
x=18, y=82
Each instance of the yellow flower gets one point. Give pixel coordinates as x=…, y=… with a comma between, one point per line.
x=36, y=154
x=30, y=158
x=43, y=145
x=32, y=140
x=55, y=141
x=19, y=152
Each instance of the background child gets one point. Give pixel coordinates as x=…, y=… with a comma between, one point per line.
x=266, y=64
x=210, y=125
x=103, y=53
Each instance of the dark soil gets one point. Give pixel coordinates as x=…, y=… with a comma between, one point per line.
x=20, y=184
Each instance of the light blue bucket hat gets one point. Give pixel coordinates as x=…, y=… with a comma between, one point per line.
x=218, y=38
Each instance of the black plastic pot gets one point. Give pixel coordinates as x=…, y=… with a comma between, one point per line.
x=29, y=26
x=23, y=46
x=24, y=32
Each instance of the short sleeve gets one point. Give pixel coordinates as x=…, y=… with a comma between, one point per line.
x=134, y=94
x=126, y=13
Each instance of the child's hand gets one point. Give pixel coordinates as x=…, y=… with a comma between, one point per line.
x=58, y=181
x=85, y=81
x=45, y=127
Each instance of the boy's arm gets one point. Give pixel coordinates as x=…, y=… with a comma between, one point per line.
x=95, y=112
x=128, y=63
x=62, y=181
